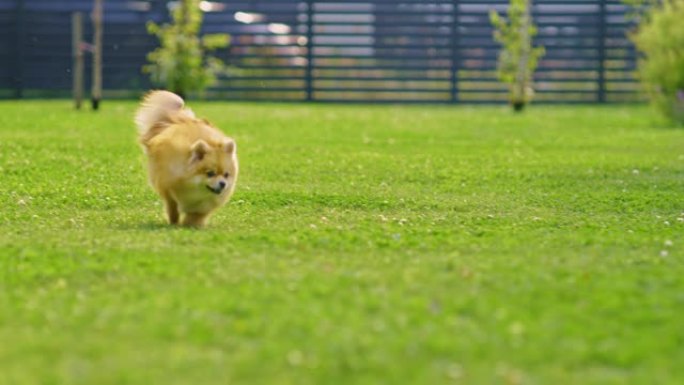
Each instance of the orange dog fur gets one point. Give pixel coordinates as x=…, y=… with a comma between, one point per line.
x=192, y=165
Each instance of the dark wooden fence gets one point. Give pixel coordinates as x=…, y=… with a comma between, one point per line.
x=353, y=50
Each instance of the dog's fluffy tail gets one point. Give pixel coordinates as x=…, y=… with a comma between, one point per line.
x=156, y=111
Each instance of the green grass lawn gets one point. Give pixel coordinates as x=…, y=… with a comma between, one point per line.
x=363, y=245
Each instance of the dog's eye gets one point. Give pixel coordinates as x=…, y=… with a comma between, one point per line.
x=225, y=175
x=211, y=174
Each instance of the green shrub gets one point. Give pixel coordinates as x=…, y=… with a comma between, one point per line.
x=517, y=58
x=182, y=63
x=660, y=38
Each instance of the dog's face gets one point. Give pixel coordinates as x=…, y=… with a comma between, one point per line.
x=213, y=167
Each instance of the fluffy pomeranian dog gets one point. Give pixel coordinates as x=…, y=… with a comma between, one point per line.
x=192, y=165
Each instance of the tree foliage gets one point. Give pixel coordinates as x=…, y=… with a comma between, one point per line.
x=660, y=38
x=183, y=62
x=517, y=59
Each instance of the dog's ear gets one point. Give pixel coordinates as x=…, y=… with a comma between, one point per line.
x=229, y=146
x=198, y=150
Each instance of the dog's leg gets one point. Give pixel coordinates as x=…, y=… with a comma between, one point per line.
x=171, y=210
x=195, y=219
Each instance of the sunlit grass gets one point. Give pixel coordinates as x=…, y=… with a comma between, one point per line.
x=363, y=245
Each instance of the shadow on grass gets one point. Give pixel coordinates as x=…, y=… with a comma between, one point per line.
x=151, y=226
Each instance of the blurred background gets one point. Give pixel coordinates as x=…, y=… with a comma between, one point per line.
x=360, y=51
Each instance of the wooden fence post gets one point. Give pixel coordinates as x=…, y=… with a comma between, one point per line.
x=96, y=94
x=77, y=62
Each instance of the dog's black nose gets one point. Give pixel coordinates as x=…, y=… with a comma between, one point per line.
x=222, y=185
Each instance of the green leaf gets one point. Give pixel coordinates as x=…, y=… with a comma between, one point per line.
x=182, y=62
x=215, y=41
